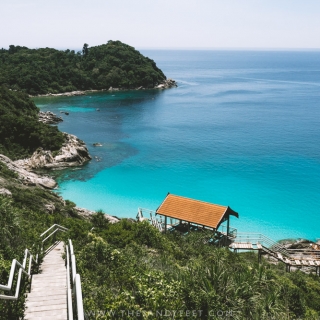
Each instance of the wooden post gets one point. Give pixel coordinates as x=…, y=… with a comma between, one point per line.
x=165, y=224
x=228, y=228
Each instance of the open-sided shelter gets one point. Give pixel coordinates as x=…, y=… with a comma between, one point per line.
x=195, y=212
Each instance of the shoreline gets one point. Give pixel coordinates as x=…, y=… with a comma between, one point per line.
x=167, y=84
x=30, y=177
x=272, y=237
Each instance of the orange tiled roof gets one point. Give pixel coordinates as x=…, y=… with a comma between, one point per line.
x=195, y=211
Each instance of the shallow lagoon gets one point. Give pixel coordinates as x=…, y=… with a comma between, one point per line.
x=242, y=129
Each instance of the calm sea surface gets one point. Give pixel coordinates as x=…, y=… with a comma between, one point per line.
x=242, y=129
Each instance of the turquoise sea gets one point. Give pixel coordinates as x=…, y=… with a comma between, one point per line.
x=242, y=129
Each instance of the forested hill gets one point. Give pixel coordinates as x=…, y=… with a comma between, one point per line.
x=46, y=70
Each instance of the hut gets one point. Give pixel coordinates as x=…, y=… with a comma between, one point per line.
x=187, y=214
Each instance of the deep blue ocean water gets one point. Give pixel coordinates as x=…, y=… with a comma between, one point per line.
x=242, y=129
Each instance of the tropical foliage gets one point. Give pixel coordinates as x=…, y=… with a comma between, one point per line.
x=46, y=70
x=21, y=133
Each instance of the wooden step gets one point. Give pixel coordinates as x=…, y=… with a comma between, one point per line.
x=48, y=296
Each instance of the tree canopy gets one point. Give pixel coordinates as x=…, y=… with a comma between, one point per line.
x=21, y=133
x=46, y=70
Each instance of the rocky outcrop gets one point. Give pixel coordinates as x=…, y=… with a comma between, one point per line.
x=49, y=207
x=87, y=214
x=72, y=153
x=27, y=177
x=49, y=117
x=5, y=192
x=167, y=84
x=67, y=94
x=64, y=94
x=301, y=244
x=114, y=89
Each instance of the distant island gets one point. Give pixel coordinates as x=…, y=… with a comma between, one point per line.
x=46, y=71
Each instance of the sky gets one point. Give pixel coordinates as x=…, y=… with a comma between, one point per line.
x=167, y=24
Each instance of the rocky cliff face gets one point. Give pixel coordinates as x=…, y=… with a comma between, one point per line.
x=27, y=177
x=73, y=153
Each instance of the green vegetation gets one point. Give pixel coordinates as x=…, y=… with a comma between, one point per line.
x=42, y=71
x=21, y=133
x=132, y=266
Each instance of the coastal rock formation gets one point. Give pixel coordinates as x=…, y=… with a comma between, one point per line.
x=27, y=177
x=64, y=94
x=49, y=117
x=67, y=94
x=72, y=153
x=85, y=213
x=167, y=84
x=113, y=89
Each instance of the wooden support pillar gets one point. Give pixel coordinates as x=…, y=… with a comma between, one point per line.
x=228, y=226
x=165, y=224
x=188, y=226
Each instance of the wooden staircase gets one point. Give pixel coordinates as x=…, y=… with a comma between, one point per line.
x=47, y=299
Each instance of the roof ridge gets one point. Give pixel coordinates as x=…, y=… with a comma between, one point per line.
x=218, y=205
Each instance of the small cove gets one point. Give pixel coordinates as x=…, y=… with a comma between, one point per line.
x=242, y=129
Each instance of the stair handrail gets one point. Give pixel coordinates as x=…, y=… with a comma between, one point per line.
x=58, y=228
x=75, y=288
x=263, y=240
x=22, y=269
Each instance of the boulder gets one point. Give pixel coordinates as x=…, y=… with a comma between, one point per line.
x=5, y=192
x=167, y=84
x=50, y=207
